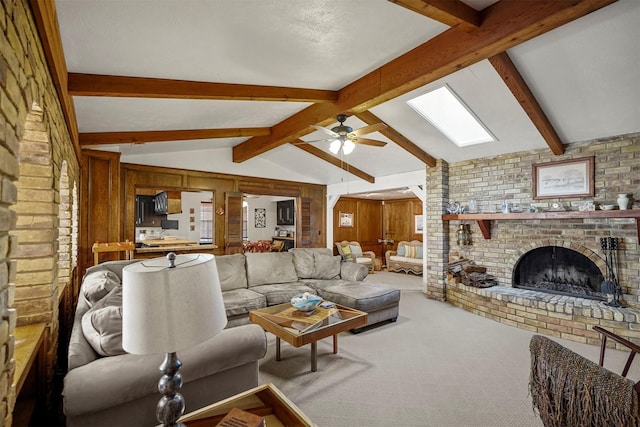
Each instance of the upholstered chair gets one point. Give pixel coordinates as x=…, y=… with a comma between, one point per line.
x=352, y=251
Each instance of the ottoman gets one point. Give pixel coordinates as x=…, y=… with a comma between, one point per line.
x=380, y=302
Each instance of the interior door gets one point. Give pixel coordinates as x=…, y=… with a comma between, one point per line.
x=233, y=223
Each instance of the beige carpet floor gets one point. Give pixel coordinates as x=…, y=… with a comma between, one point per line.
x=438, y=365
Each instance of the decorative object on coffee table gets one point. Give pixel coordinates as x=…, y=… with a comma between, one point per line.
x=168, y=307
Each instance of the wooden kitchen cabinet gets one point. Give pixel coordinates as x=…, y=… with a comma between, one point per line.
x=286, y=212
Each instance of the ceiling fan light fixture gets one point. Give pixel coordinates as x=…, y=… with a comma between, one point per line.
x=348, y=146
x=335, y=146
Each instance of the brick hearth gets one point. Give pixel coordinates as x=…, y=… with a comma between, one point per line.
x=557, y=315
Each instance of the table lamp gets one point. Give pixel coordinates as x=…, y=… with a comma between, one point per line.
x=170, y=304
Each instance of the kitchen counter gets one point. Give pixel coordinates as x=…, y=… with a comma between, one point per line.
x=168, y=242
x=176, y=247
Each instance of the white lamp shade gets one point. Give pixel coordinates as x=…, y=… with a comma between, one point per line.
x=166, y=309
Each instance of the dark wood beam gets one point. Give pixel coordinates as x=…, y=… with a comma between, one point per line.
x=369, y=118
x=315, y=151
x=142, y=87
x=44, y=14
x=450, y=12
x=140, y=137
x=506, y=24
x=516, y=84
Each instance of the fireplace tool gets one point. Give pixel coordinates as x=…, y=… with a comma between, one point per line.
x=610, y=285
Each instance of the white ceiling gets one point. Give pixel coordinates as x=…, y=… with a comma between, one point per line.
x=585, y=75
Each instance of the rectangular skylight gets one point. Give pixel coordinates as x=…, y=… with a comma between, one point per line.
x=446, y=111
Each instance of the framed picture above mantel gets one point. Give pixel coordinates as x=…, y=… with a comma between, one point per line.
x=564, y=178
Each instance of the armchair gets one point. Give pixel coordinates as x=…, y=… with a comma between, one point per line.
x=570, y=390
x=352, y=251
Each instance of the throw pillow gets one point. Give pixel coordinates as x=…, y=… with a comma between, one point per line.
x=401, y=250
x=410, y=251
x=418, y=251
x=102, y=324
x=356, y=250
x=326, y=266
x=96, y=285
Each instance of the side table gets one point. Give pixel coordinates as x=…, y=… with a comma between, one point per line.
x=265, y=400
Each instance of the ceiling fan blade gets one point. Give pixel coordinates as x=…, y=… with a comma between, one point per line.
x=367, y=129
x=313, y=142
x=366, y=141
x=327, y=131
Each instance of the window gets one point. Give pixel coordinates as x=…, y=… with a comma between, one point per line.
x=447, y=113
x=206, y=222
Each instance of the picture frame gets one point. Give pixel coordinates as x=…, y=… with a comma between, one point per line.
x=418, y=224
x=564, y=178
x=345, y=219
x=260, y=218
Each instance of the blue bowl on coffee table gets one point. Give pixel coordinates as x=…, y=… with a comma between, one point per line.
x=305, y=304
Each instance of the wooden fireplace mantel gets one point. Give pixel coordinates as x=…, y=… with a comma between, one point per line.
x=484, y=220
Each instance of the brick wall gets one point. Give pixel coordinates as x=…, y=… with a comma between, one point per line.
x=34, y=143
x=490, y=181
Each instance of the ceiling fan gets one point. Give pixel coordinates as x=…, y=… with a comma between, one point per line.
x=344, y=137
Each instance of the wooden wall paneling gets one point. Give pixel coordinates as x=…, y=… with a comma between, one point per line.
x=304, y=237
x=398, y=220
x=100, y=204
x=344, y=233
x=369, y=225
x=233, y=223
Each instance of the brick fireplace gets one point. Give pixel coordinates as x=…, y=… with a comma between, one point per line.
x=561, y=271
x=488, y=181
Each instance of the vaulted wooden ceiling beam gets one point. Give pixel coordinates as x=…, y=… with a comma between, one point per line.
x=142, y=87
x=515, y=82
x=453, y=13
x=369, y=118
x=315, y=151
x=44, y=14
x=140, y=137
x=506, y=24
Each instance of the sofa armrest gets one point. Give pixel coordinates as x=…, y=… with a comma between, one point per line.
x=371, y=255
x=388, y=255
x=353, y=272
x=114, y=380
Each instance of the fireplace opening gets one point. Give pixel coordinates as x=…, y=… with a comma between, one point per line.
x=559, y=270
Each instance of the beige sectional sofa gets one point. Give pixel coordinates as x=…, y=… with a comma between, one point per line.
x=407, y=258
x=255, y=280
x=104, y=386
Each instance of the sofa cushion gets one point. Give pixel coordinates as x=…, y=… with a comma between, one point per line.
x=102, y=324
x=405, y=259
x=272, y=267
x=326, y=266
x=96, y=285
x=279, y=293
x=231, y=271
x=241, y=301
x=304, y=262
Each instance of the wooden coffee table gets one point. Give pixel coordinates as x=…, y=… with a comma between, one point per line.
x=299, y=328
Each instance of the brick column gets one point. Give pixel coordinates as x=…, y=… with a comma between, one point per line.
x=437, y=234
